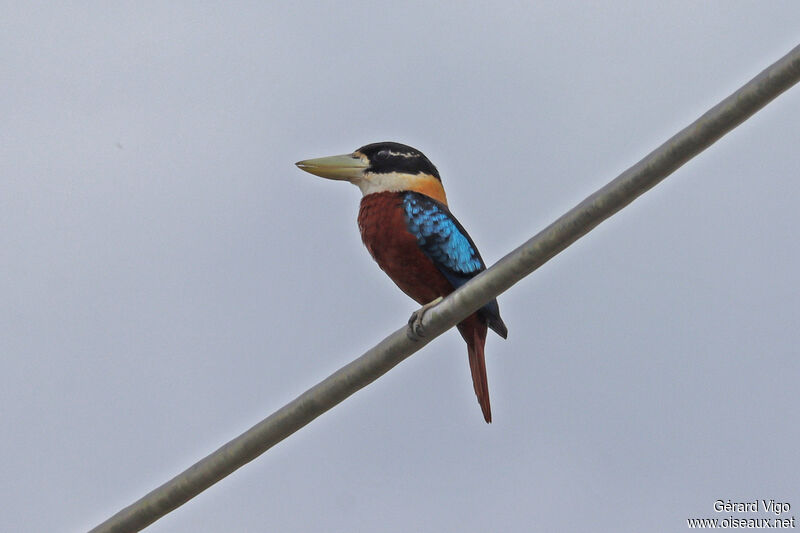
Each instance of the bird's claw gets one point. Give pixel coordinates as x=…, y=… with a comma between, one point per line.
x=415, y=329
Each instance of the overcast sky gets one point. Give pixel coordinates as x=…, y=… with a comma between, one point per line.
x=169, y=278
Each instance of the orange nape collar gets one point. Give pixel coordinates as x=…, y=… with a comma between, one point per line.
x=427, y=185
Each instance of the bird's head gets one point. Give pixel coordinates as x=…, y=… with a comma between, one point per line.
x=381, y=167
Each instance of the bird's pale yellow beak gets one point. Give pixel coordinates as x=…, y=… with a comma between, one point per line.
x=347, y=167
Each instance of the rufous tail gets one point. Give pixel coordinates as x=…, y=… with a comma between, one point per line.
x=474, y=332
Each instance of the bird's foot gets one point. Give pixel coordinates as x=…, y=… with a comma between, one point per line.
x=415, y=329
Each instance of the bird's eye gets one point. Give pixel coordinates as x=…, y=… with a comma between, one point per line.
x=383, y=154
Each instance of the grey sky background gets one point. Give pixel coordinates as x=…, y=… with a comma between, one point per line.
x=169, y=277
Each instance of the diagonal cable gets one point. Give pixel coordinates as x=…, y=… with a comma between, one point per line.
x=581, y=219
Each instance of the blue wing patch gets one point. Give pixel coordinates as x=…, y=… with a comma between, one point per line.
x=442, y=238
x=445, y=242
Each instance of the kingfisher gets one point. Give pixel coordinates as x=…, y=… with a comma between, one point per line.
x=410, y=232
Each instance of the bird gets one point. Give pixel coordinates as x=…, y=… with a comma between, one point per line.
x=408, y=229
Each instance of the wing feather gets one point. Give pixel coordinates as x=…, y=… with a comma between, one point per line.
x=445, y=242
